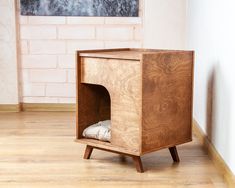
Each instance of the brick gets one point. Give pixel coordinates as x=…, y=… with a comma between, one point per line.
x=24, y=76
x=66, y=61
x=67, y=100
x=73, y=46
x=33, y=90
x=38, y=32
x=124, y=44
x=71, y=76
x=40, y=100
x=114, y=33
x=85, y=20
x=61, y=90
x=47, y=47
x=39, y=61
x=23, y=19
x=138, y=33
x=24, y=47
x=54, y=75
x=76, y=32
x=123, y=20
x=46, y=20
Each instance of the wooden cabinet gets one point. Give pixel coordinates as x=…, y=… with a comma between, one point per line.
x=147, y=94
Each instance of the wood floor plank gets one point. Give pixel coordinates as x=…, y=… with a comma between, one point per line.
x=37, y=149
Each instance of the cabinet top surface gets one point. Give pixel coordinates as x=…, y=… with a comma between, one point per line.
x=125, y=53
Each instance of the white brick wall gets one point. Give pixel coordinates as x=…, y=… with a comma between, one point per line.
x=73, y=45
x=34, y=90
x=85, y=20
x=48, y=46
x=48, y=75
x=71, y=76
x=76, y=32
x=61, y=90
x=39, y=61
x=66, y=61
x=38, y=32
x=117, y=33
x=46, y=20
x=24, y=49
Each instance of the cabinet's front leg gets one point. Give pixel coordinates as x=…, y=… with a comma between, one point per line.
x=138, y=164
x=174, y=154
x=88, y=152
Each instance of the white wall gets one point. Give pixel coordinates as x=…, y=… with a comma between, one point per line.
x=211, y=33
x=164, y=24
x=8, y=63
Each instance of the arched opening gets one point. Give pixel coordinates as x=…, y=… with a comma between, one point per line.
x=94, y=105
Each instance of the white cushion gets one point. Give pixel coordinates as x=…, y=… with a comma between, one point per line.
x=100, y=131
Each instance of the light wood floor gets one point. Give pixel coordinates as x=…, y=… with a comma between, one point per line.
x=37, y=150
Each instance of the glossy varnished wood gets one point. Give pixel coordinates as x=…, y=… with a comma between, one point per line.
x=37, y=149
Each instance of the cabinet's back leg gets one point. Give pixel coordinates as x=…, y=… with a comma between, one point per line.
x=88, y=152
x=138, y=164
x=174, y=154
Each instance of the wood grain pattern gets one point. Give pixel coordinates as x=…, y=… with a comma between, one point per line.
x=38, y=151
x=167, y=99
x=108, y=146
x=147, y=95
x=122, y=53
x=122, y=80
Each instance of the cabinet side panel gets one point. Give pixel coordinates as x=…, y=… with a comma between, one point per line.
x=167, y=99
x=122, y=79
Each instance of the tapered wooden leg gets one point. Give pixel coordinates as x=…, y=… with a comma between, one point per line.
x=174, y=154
x=88, y=152
x=138, y=164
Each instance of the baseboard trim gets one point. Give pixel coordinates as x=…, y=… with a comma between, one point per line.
x=220, y=164
x=48, y=107
x=38, y=107
x=10, y=107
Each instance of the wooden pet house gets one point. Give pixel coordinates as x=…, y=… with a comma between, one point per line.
x=147, y=95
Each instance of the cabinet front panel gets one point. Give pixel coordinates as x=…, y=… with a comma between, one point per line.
x=122, y=79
